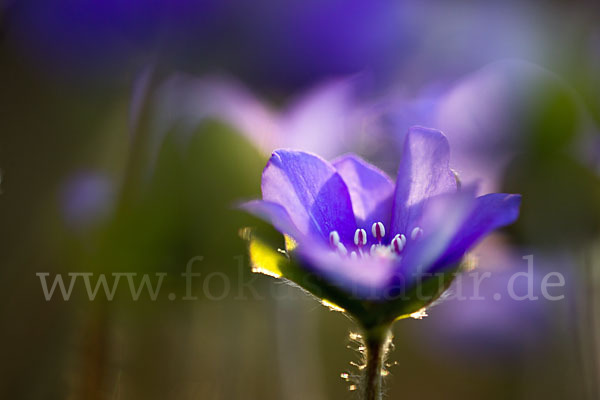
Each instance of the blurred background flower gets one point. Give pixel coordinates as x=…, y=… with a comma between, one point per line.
x=327, y=118
x=87, y=198
x=128, y=129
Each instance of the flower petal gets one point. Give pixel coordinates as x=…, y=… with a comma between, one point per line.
x=491, y=211
x=441, y=220
x=311, y=191
x=361, y=278
x=323, y=119
x=274, y=214
x=371, y=190
x=424, y=172
x=184, y=101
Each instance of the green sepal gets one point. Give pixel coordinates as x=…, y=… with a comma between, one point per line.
x=268, y=259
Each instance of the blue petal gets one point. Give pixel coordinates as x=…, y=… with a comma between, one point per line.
x=424, y=172
x=311, y=191
x=274, y=214
x=371, y=190
x=366, y=278
x=491, y=211
x=441, y=220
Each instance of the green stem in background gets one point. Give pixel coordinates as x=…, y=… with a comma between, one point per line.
x=140, y=133
x=376, y=343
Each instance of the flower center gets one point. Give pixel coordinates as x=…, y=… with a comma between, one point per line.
x=392, y=250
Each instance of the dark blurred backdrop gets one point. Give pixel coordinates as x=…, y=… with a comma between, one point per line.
x=129, y=130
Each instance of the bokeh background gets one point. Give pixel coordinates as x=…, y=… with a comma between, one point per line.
x=129, y=129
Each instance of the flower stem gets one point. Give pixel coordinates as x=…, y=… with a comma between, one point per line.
x=376, y=343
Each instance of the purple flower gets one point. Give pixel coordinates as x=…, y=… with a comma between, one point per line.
x=320, y=118
x=103, y=39
x=87, y=198
x=364, y=243
x=492, y=115
x=277, y=44
x=484, y=322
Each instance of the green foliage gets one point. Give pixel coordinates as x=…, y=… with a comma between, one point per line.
x=185, y=207
x=561, y=200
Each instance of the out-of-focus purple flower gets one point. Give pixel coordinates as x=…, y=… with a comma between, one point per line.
x=421, y=225
x=294, y=43
x=86, y=199
x=282, y=44
x=101, y=38
x=274, y=44
x=324, y=119
x=491, y=312
x=485, y=116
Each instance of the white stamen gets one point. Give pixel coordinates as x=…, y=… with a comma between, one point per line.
x=334, y=239
x=397, y=244
x=342, y=249
x=378, y=230
x=416, y=233
x=373, y=249
x=403, y=238
x=353, y=256
x=360, y=237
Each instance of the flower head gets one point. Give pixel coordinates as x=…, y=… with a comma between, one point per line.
x=87, y=198
x=368, y=245
x=321, y=117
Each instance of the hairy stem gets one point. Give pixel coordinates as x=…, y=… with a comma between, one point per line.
x=376, y=343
